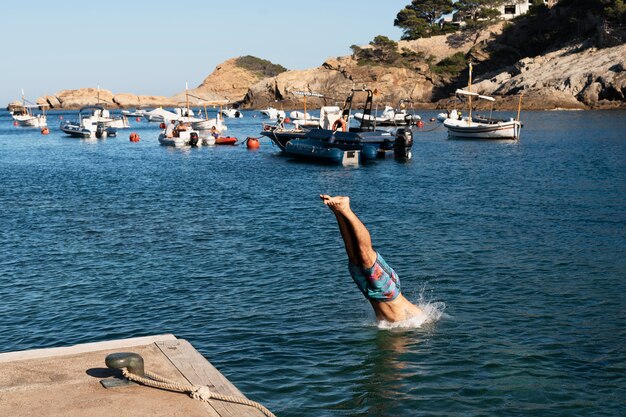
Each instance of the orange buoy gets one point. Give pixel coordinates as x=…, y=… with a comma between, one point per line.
x=45, y=131
x=162, y=125
x=252, y=143
x=137, y=119
x=287, y=120
x=420, y=123
x=15, y=123
x=134, y=137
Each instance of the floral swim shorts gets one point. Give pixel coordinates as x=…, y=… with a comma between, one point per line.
x=379, y=282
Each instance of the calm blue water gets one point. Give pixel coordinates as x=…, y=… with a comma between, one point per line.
x=524, y=243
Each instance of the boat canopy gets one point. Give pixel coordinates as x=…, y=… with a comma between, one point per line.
x=469, y=93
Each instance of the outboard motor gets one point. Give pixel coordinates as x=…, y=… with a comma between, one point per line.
x=193, y=139
x=404, y=143
x=100, y=131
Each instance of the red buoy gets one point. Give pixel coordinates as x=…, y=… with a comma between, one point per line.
x=45, y=131
x=252, y=143
x=134, y=137
x=162, y=125
x=287, y=120
x=15, y=123
x=420, y=123
x=137, y=119
x=61, y=117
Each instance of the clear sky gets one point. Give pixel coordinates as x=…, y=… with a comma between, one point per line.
x=153, y=47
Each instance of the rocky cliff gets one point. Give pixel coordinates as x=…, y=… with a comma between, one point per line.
x=74, y=99
x=573, y=78
x=568, y=78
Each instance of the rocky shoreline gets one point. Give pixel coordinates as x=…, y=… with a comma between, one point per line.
x=570, y=78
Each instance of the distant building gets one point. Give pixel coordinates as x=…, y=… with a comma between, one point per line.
x=508, y=10
x=513, y=8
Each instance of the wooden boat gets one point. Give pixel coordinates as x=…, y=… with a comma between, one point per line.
x=24, y=116
x=482, y=127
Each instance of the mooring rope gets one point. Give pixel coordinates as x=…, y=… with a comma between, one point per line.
x=202, y=393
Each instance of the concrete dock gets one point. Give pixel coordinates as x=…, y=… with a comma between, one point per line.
x=61, y=382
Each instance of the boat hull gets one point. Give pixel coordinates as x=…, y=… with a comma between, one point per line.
x=31, y=121
x=460, y=129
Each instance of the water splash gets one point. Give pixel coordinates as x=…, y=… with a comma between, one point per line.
x=432, y=311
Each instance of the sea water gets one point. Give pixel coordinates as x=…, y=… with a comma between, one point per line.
x=517, y=251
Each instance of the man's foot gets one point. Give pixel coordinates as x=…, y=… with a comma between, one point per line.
x=338, y=204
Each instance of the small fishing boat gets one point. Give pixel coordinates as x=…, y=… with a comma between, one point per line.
x=24, y=116
x=477, y=127
x=482, y=127
x=93, y=121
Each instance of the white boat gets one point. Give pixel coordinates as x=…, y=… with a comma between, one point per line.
x=464, y=129
x=207, y=124
x=389, y=117
x=133, y=113
x=185, y=138
x=92, y=122
x=481, y=127
x=273, y=113
x=160, y=115
x=231, y=113
x=25, y=118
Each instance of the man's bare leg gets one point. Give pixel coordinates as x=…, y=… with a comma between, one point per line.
x=359, y=248
x=355, y=235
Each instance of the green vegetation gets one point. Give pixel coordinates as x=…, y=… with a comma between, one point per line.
x=450, y=66
x=420, y=19
x=262, y=67
x=384, y=51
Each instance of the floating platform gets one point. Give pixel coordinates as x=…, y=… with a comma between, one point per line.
x=66, y=381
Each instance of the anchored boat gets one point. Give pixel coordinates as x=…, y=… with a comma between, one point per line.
x=93, y=121
x=482, y=127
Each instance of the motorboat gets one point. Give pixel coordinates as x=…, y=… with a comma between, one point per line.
x=389, y=117
x=280, y=135
x=476, y=127
x=231, y=113
x=92, y=122
x=345, y=144
x=180, y=139
x=160, y=115
x=273, y=113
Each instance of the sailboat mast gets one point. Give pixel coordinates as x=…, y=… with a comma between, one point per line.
x=469, y=88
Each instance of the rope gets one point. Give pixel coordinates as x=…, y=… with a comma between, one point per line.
x=202, y=393
x=429, y=130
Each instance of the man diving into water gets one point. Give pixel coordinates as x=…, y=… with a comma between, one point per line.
x=378, y=282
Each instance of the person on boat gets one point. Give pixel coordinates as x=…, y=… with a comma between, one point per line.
x=214, y=132
x=180, y=128
x=378, y=282
x=280, y=123
x=169, y=130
